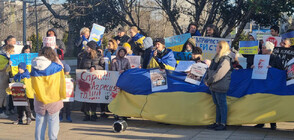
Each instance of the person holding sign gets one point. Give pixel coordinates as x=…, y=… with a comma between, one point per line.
x=192, y=29
x=189, y=45
x=83, y=39
x=275, y=30
x=4, y=68
x=92, y=60
x=49, y=84
x=120, y=63
x=218, y=79
x=60, y=47
x=162, y=57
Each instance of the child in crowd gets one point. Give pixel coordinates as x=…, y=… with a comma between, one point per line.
x=120, y=63
x=23, y=76
x=66, y=105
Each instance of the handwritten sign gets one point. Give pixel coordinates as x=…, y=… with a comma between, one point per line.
x=135, y=61
x=69, y=90
x=19, y=97
x=184, y=66
x=208, y=45
x=158, y=80
x=286, y=54
x=182, y=55
x=96, y=87
x=289, y=35
x=24, y=57
x=197, y=72
x=275, y=40
x=260, y=69
x=49, y=42
x=290, y=72
x=248, y=47
x=176, y=42
x=97, y=33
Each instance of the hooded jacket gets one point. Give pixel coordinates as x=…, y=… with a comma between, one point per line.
x=192, y=42
x=59, y=43
x=120, y=63
x=218, y=76
x=163, y=60
x=4, y=65
x=87, y=62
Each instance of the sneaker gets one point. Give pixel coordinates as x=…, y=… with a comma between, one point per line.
x=212, y=126
x=93, y=118
x=220, y=127
x=273, y=126
x=259, y=126
x=29, y=121
x=32, y=116
x=68, y=119
x=3, y=116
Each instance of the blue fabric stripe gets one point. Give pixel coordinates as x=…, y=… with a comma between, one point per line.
x=248, y=43
x=137, y=82
x=52, y=69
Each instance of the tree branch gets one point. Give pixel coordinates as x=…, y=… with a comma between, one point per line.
x=53, y=12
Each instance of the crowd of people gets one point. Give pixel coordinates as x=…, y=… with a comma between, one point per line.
x=153, y=52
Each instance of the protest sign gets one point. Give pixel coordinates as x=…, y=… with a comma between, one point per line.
x=69, y=90
x=274, y=39
x=158, y=80
x=285, y=54
x=24, y=57
x=18, y=49
x=260, y=33
x=248, y=47
x=135, y=61
x=182, y=55
x=243, y=62
x=18, y=94
x=289, y=35
x=176, y=42
x=96, y=87
x=208, y=45
x=197, y=72
x=290, y=72
x=184, y=66
x=49, y=42
x=260, y=69
x=97, y=33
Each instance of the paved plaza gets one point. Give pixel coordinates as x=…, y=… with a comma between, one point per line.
x=144, y=129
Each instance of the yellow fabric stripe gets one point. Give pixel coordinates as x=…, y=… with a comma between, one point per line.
x=153, y=64
x=30, y=92
x=249, y=50
x=177, y=48
x=140, y=41
x=15, y=69
x=51, y=88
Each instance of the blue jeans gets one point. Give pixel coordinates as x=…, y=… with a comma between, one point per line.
x=220, y=101
x=41, y=125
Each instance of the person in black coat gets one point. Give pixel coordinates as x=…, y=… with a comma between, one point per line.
x=211, y=31
x=121, y=38
x=61, y=49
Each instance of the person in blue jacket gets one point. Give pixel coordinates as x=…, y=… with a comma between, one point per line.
x=192, y=29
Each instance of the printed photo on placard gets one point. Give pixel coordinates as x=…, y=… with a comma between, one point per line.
x=19, y=97
x=197, y=72
x=290, y=72
x=158, y=80
x=260, y=69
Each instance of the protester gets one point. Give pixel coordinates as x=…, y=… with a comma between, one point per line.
x=4, y=69
x=121, y=38
x=197, y=55
x=91, y=60
x=275, y=30
x=192, y=29
x=66, y=105
x=127, y=46
x=60, y=47
x=49, y=84
x=83, y=39
x=189, y=45
x=141, y=45
x=10, y=40
x=251, y=37
x=120, y=63
x=161, y=57
x=111, y=49
x=218, y=79
x=211, y=31
x=286, y=43
x=275, y=62
x=23, y=76
x=26, y=49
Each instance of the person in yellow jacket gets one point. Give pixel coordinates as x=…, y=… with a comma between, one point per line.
x=23, y=76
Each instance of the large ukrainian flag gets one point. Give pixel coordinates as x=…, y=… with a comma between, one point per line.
x=250, y=101
x=49, y=84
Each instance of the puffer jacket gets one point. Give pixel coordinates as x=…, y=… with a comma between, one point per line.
x=120, y=63
x=86, y=63
x=218, y=75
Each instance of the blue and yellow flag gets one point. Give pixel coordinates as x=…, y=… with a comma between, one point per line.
x=248, y=47
x=168, y=61
x=177, y=42
x=24, y=57
x=138, y=39
x=49, y=84
x=250, y=101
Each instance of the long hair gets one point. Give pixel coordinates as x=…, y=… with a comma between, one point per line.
x=8, y=49
x=93, y=54
x=84, y=30
x=26, y=47
x=224, y=50
x=114, y=43
x=49, y=53
x=215, y=30
x=135, y=29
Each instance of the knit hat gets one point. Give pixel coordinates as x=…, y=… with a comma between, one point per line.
x=22, y=65
x=269, y=46
x=160, y=40
x=92, y=44
x=127, y=45
x=66, y=68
